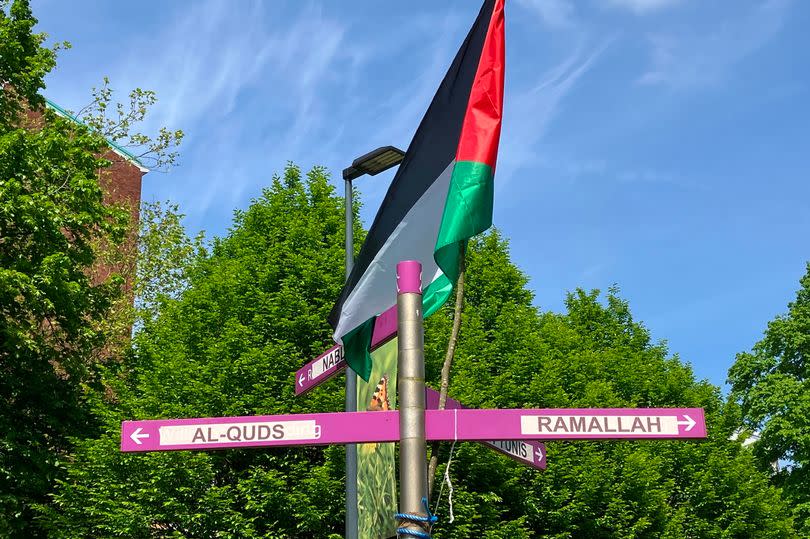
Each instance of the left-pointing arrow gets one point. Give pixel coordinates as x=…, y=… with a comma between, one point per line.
x=301, y=380
x=137, y=435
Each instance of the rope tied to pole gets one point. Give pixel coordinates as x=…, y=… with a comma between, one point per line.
x=425, y=521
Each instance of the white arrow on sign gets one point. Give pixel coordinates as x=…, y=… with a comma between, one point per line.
x=539, y=456
x=137, y=435
x=689, y=423
x=301, y=380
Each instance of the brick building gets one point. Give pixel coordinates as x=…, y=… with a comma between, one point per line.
x=121, y=184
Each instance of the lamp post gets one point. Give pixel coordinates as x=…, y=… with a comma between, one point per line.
x=372, y=163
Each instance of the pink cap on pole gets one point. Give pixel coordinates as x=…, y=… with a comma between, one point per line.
x=409, y=277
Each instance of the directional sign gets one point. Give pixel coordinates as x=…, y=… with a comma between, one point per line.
x=331, y=362
x=259, y=431
x=455, y=424
x=566, y=424
x=319, y=370
x=524, y=451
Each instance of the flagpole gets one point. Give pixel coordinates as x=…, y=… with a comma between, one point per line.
x=372, y=163
x=351, y=384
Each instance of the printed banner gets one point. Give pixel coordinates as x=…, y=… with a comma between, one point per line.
x=376, y=463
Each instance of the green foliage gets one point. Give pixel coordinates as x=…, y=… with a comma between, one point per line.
x=255, y=310
x=772, y=385
x=59, y=315
x=595, y=355
x=228, y=339
x=52, y=220
x=24, y=62
x=165, y=256
x=117, y=122
x=251, y=315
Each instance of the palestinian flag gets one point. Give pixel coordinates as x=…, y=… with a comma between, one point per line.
x=440, y=196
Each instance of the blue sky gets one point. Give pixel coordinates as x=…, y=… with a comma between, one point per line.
x=662, y=145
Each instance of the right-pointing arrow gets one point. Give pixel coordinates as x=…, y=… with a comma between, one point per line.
x=689, y=423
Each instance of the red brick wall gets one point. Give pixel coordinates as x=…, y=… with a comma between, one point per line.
x=121, y=183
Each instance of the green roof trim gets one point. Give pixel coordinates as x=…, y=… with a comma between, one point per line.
x=116, y=148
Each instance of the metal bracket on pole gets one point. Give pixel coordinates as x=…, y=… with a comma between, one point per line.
x=412, y=450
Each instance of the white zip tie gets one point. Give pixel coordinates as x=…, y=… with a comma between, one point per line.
x=449, y=483
x=447, y=470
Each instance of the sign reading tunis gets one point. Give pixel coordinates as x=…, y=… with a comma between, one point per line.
x=528, y=452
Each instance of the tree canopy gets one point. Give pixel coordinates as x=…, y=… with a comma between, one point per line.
x=512, y=355
x=772, y=384
x=254, y=310
x=52, y=219
x=61, y=312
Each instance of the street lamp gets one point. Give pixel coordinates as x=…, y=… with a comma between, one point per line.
x=372, y=164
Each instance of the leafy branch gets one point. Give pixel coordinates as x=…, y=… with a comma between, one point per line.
x=116, y=122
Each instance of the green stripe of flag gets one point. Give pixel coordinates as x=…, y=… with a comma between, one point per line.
x=467, y=212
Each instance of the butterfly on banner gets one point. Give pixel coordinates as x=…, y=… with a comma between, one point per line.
x=379, y=401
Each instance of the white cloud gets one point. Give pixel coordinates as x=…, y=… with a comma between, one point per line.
x=250, y=86
x=553, y=13
x=529, y=113
x=641, y=7
x=684, y=61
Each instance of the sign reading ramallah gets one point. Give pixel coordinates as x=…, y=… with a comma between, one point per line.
x=594, y=425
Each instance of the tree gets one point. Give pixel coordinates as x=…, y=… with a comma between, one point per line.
x=165, y=257
x=51, y=215
x=24, y=62
x=253, y=311
x=117, y=123
x=772, y=385
x=511, y=355
x=54, y=309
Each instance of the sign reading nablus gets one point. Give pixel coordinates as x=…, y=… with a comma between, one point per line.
x=319, y=370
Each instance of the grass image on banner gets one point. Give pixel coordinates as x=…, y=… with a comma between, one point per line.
x=376, y=462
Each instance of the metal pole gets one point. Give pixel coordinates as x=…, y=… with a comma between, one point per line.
x=411, y=365
x=351, y=386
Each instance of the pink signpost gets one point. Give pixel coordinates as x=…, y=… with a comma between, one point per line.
x=331, y=362
x=259, y=431
x=454, y=424
x=319, y=370
x=514, y=432
x=528, y=452
x=566, y=424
